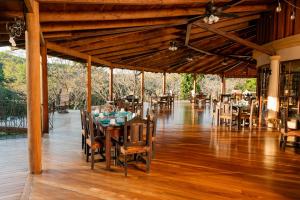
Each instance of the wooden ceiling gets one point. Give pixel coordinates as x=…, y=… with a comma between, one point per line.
x=136, y=34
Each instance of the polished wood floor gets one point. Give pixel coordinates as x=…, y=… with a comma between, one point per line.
x=13, y=167
x=193, y=161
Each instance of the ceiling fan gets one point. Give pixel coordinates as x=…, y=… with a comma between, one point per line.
x=213, y=13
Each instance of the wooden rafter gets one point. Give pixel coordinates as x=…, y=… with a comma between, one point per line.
x=236, y=38
x=143, y=14
x=131, y=2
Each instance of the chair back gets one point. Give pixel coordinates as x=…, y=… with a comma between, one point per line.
x=134, y=132
x=226, y=109
x=254, y=109
x=120, y=103
x=90, y=127
x=82, y=118
x=153, y=120
x=283, y=116
x=213, y=107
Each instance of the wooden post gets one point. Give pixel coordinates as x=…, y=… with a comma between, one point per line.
x=194, y=82
x=164, y=83
x=273, y=89
x=45, y=89
x=33, y=73
x=111, y=84
x=142, y=86
x=89, y=85
x=223, y=87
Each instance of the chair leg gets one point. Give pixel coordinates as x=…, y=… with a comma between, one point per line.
x=87, y=152
x=82, y=141
x=153, y=150
x=125, y=165
x=92, y=157
x=148, y=162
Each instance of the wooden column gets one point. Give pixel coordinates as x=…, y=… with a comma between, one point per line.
x=111, y=84
x=194, y=82
x=33, y=73
x=45, y=89
x=142, y=85
x=223, y=85
x=89, y=85
x=164, y=82
x=273, y=88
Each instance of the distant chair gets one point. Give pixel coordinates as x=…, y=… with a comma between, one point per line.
x=153, y=122
x=83, y=129
x=136, y=142
x=154, y=102
x=254, y=110
x=226, y=113
x=286, y=133
x=93, y=142
x=214, y=111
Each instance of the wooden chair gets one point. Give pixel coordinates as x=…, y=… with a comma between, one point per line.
x=93, y=142
x=135, y=142
x=154, y=102
x=254, y=109
x=226, y=113
x=286, y=133
x=214, y=112
x=83, y=129
x=153, y=122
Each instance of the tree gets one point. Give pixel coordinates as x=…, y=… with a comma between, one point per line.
x=186, y=85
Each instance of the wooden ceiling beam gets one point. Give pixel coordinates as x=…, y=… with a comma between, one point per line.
x=77, y=35
x=236, y=38
x=55, y=27
x=145, y=44
x=138, y=14
x=131, y=39
x=28, y=4
x=73, y=53
x=195, y=64
x=118, y=15
x=132, y=2
x=127, y=51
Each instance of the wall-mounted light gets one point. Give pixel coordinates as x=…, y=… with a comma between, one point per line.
x=15, y=29
x=293, y=15
x=278, y=8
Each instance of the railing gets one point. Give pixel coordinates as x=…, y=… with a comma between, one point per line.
x=13, y=115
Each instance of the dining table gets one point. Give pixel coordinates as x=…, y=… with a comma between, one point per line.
x=112, y=126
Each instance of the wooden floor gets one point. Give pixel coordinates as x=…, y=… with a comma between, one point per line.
x=193, y=161
x=13, y=167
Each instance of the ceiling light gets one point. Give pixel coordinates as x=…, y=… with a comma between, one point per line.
x=224, y=62
x=293, y=16
x=189, y=59
x=278, y=8
x=173, y=46
x=15, y=29
x=211, y=19
x=12, y=41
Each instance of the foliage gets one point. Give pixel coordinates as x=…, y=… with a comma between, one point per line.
x=249, y=84
x=186, y=85
x=13, y=72
x=70, y=77
x=12, y=77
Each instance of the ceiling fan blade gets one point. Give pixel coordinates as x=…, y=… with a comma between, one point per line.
x=228, y=15
x=230, y=4
x=196, y=18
